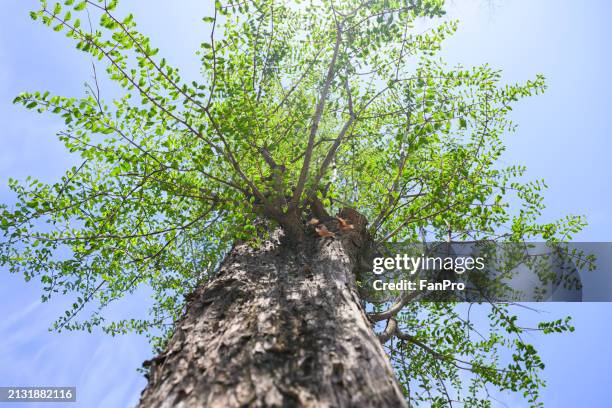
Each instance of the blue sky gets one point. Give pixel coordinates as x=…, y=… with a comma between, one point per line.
x=562, y=137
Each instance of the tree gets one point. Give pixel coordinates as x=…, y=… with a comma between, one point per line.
x=203, y=192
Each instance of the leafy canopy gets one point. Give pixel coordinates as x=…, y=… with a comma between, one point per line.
x=342, y=102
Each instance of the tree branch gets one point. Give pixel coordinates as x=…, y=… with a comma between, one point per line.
x=317, y=119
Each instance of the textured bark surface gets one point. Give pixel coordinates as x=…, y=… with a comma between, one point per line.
x=277, y=327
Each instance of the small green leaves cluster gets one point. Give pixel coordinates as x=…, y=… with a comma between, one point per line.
x=452, y=355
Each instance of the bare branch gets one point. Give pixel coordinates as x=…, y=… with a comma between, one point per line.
x=317, y=119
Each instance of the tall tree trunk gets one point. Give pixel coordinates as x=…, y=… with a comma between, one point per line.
x=278, y=326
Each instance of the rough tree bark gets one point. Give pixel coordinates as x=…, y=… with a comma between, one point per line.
x=278, y=326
